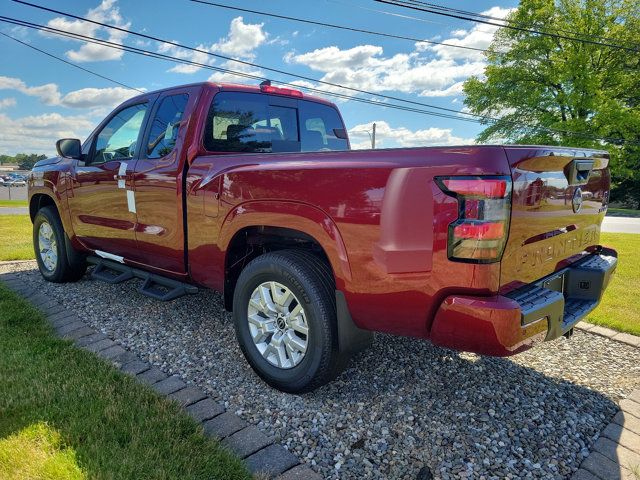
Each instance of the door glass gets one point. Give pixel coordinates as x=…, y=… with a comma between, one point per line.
x=318, y=125
x=165, y=125
x=245, y=122
x=117, y=140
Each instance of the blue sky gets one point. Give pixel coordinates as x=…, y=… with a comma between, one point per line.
x=42, y=99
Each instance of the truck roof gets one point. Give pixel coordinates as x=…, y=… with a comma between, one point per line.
x=232, y=87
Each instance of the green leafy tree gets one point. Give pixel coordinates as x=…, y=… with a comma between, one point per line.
x=27, y=161
x=534, y=82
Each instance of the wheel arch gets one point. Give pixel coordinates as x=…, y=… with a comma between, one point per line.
x=39, y=201
x=256, y=227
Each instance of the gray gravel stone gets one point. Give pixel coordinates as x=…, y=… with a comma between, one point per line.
x=401, y=405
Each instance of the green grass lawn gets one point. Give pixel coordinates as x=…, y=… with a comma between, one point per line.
x=66, y=414
x=13, y=203
x=15, y=237
x=620, y=307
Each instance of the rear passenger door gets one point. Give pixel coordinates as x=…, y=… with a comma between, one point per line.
x=159, y=181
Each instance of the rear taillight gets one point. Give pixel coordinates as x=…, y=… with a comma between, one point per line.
x=480, y=233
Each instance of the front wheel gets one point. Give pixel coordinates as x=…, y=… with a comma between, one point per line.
x=285, y=319
x=57, y=261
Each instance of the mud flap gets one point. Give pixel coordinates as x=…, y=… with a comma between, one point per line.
x=351, y=338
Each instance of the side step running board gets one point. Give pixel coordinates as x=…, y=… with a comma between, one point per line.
x=154, y=286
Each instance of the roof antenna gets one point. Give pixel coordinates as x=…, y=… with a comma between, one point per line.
x=266, y=83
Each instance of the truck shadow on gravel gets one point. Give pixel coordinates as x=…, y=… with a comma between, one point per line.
x=400, y=405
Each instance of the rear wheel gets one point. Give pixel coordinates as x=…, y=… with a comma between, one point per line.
x=57, y=260
x=285, y=319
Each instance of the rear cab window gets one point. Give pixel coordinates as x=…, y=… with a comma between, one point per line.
x=260, y=123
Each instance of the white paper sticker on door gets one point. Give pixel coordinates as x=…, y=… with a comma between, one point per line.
x=122, y=173
x=131, y=200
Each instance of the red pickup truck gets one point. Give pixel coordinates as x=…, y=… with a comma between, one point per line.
x=253, y=192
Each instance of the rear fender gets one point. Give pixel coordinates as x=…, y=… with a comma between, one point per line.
x=293, y=215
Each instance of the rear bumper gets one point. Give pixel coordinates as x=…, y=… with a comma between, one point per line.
x=543, y=310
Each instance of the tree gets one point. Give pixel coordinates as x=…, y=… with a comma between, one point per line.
x=535, y=82
x=27, y=161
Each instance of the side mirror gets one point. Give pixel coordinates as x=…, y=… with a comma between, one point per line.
x=69, y=148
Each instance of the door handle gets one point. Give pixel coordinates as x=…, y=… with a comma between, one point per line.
x=579, y=171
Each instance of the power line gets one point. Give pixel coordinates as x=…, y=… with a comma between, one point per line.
x=481, y=119
x=244, y=62
x=71, y=63
x=148, y=53
x=507, y=20
x=332, y=25
x=423, y=7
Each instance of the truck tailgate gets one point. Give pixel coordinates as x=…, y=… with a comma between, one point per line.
x=560, y=197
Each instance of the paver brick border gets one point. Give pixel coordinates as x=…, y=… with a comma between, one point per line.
x=621, y=337
x=261, y=455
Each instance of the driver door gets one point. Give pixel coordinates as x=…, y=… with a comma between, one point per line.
x=101, y=198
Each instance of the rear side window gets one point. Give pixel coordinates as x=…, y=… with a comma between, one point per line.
x=319, y=126
x=165, y=125
x=251, y=123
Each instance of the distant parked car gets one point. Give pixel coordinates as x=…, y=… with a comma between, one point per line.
x=15, y=183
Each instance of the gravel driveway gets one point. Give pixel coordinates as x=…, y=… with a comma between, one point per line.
x=401, y=405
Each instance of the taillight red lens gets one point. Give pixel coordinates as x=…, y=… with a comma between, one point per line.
x=487, y=187
x=290, y=92
x=480, y=231
x=479, y=235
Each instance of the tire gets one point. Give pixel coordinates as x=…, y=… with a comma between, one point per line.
x=57, y=260
x=311, y=283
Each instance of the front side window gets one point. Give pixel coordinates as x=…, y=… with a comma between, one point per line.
x=117, y=139
x=247, y=122
x=165, y=125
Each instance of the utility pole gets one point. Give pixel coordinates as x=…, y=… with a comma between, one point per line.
x=373, y=137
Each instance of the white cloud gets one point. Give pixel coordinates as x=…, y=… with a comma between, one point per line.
x=38, y=133
x=455, y=89
x=96, y=97
x=480, y=36
x=49, y=94
x=7, y=102
x=106, y=12
x=388, y=136
x=242, y=40
x=364, y=67
x=428, y=70
x=223, y=77
x=240, y=43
